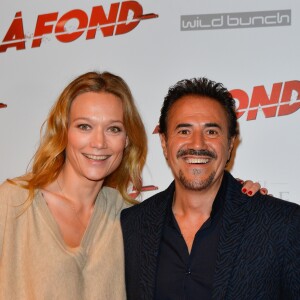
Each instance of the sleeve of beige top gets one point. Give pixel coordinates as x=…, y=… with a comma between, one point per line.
x=3, y=216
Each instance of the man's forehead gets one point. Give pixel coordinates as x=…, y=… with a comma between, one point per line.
x=204, y=124
x=196, y=107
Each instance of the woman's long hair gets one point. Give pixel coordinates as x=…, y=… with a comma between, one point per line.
x=50, y=155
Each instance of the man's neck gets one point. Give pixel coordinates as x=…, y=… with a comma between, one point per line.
x=190, y=202
x=191, y=209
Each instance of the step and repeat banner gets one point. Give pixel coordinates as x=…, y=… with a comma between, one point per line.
x=252, y=47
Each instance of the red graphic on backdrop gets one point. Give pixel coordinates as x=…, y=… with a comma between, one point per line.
x=121, y=18
x=2, y=105
x=145, y=188
x=284, y=100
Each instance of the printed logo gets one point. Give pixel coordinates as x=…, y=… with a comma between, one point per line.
x=2, y=105
x=283, y=100
x=121, y=18
x=236, y=20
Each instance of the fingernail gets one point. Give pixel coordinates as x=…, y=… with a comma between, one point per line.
x=244, y=190
x=263, y=191
x=249, y=193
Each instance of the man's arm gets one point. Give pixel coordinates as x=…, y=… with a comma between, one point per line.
x=291, y=271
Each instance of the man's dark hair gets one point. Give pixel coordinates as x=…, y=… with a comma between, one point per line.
x=200, y=87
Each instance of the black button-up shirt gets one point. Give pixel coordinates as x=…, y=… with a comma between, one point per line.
x=185, y=276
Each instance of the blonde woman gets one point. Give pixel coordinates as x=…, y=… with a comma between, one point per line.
x=60, y=235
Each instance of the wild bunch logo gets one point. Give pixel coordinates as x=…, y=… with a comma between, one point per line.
x=235, y=20
x=121, y=18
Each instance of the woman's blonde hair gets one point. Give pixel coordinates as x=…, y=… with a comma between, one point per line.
x=50, y=155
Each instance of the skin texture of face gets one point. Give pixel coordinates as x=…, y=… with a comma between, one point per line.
x=96, y=136
x=197, y=146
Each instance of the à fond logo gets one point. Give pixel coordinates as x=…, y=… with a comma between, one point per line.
x=121, y=18
x=282, y=100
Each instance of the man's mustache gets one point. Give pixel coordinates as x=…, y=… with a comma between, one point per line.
x=201, y=152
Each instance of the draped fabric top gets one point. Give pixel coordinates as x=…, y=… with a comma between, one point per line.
x=35, y=262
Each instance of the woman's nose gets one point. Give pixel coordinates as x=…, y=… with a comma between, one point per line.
x=98, y=139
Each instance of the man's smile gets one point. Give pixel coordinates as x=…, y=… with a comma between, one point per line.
x=196, y=160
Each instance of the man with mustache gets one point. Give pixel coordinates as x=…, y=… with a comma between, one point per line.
x=202, y=238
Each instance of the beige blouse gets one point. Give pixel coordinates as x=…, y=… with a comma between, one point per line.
x=35, y=263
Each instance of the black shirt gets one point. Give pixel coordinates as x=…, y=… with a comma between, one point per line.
x=185, y=276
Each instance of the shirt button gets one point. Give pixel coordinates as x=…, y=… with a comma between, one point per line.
x=188, y=272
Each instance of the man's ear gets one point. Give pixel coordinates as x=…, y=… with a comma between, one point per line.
x=163, y=143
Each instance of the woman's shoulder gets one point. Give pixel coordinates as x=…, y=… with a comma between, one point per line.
x=12, y=193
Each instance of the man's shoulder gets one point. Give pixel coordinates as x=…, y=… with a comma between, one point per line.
x=287, y=211
x=259, y=208
x=272, y=212
x=270, y=203
x=258, y=200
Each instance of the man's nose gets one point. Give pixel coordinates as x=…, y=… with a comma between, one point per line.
x=197, y=140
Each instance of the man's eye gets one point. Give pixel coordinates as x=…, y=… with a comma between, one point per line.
x=84, y=127
x=184, y=131
x=212, y=132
